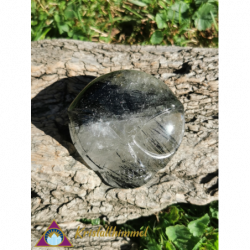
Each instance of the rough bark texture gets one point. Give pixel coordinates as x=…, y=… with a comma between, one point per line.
x=64, y=189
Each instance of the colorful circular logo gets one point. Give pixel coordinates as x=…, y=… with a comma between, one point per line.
x=53, y=236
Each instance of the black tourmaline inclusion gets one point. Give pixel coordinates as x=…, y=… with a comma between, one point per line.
x=126, y=125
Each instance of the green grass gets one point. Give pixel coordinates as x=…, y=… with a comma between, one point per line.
x=179, y=227
x=165, y=22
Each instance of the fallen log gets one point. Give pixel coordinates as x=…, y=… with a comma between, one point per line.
x=66, y=190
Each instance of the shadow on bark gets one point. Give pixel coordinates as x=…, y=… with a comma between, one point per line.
x=49, y=111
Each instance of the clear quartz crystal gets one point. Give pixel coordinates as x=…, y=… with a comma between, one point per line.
x=126, y=125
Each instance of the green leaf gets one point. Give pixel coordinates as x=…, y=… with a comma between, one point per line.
x=198, y=227
x=203, y=18
x=104, y=39
x=209, y=230
x=179, y=7
x=38, y=31
x=33, y=7
x=179, y=40
x=181, y=237
x=160, y=20
x=79, y=16
x=62, y=5
x=169, y=246
x=51, y=11
x=173, y=216
x=184, y=26
x=176, y=10
x=77, y=33
x=163, y=223
x=128, y=8
x=199, y=244
x=211, y=245
x=63, y=27
x=85, y=221
x=139, y=3
x=42, y=16
x=214, y=21
x=199, y=2
x=153, y=246
x=71, y=23
x=156, y=37
x=69, y=12
x=96, y=221
x=215, y=241
x=33, y=4
x=33, y=23
x=162, y=4
x=57, y=18
x=42, y=35
x=214, y=210
x=103, y=222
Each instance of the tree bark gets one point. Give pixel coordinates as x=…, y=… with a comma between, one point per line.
x=63, y=188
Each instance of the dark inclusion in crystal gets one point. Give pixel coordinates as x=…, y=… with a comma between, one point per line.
x=126, y=125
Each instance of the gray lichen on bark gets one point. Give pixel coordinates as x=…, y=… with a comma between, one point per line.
x=63, y=188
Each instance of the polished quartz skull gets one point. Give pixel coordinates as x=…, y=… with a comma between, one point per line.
x=126, y=125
